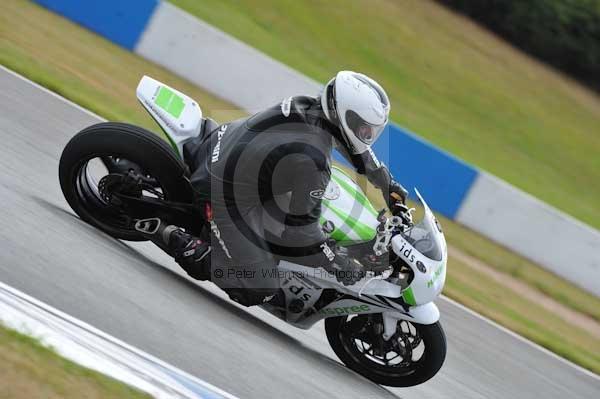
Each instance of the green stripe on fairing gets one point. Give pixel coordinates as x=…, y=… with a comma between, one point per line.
x=360, y=197
x=170, y=102
x=364, y=232
x=409, y=296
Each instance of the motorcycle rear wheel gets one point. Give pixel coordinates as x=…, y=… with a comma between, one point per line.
x=347, y=339
x=118, y=141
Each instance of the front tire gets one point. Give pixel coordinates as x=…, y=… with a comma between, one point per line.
x=120, y=141
x=347, y=339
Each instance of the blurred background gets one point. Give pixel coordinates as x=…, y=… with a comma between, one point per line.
x=495, y=116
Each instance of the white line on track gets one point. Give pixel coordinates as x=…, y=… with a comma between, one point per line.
x=93, y=348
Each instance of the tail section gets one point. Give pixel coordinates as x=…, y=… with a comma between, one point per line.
x=177, y=114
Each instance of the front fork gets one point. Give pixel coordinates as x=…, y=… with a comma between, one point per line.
x=422, y=314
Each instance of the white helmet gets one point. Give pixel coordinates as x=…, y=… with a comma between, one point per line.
x=359, y=106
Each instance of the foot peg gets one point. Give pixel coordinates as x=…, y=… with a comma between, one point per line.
x=148, y=226
x=156, y=231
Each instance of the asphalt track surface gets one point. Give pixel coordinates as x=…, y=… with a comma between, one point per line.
x=137, y=294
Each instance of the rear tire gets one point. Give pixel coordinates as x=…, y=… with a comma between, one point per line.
x=426, y=367
x=129, y=142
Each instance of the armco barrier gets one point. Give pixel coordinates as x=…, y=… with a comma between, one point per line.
x=248, y=78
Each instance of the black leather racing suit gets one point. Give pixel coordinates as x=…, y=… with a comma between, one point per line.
x=274, y=165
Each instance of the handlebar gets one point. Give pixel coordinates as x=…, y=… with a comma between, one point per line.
x=404, y=212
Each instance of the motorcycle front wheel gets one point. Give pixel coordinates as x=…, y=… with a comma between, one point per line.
x=412, y=356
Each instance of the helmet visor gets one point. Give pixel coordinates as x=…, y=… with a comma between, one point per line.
x=364, y=131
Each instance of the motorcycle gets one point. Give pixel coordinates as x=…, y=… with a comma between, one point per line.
x=385, y=327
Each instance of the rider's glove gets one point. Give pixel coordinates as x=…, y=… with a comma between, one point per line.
x=346, y=270
x=397, y=193
x=392, y=191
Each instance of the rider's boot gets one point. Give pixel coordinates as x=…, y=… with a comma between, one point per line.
x=189, y=252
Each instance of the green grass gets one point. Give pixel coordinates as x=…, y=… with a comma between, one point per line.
x=452, y=82
x=98, y=75
x=30, y=370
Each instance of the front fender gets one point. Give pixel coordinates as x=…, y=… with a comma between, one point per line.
x=423, y=314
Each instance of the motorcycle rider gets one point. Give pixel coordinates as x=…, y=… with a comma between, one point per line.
x=239, y=167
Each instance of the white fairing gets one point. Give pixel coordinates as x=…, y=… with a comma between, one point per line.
x=177, y=114
x=307, y=284
x=429, y=270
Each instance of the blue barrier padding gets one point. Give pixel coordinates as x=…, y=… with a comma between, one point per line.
x=120, y=21
x=442, y=179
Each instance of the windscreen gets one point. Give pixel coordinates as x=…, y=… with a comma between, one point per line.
x=426, y=237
